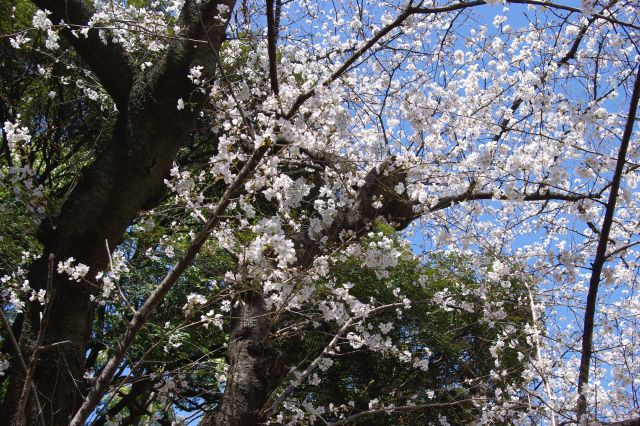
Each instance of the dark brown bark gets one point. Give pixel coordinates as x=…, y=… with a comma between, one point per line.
x=127, y=173
x=109, y=61
x=379, y=185
x=141, y=316
x=601, y=255
x=255, y=365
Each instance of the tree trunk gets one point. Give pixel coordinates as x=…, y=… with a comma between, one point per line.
x=107, y=199
x=255, y=366
x=127, y=173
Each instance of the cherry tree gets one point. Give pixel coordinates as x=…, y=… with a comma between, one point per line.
x=495, y=133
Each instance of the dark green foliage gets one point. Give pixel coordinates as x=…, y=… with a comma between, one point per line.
x=459, y=343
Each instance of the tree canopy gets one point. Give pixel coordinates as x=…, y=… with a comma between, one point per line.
x=298, y=212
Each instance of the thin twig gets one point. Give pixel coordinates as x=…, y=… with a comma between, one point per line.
x=124, y=299
x=538, y=344
x=142, y=315
x=216, y=54
x=541, y=3
x=23, y=366
x=302, y=98
x=325, y=352
x=405, y=408
x=33, y=362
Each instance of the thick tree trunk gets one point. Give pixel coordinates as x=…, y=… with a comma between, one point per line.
x=127, y=173
x=255, y=365
x=109, y=196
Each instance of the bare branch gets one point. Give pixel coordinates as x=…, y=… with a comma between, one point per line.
x=445, y=202
x=142, y=315
x=601, y=254
x=28, y=381
x=271, y=41
x=21, y=363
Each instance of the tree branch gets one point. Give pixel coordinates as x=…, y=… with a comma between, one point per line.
x=271, y=47
x=403, y=409
x=270, y=411
x=550, y=5
x=411, y=10
x=28, y=381
x=634, y=421
x=302, y=98
x=445, y=202
x=601, y=254
x=16, y=347
x=145, y=311
x=108, y=61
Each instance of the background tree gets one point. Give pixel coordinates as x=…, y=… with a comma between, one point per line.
x=281, y=148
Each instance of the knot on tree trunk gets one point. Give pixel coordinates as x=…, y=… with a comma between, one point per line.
x=383, y=195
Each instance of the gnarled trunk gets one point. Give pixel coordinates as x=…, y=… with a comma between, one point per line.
x=127, y=173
